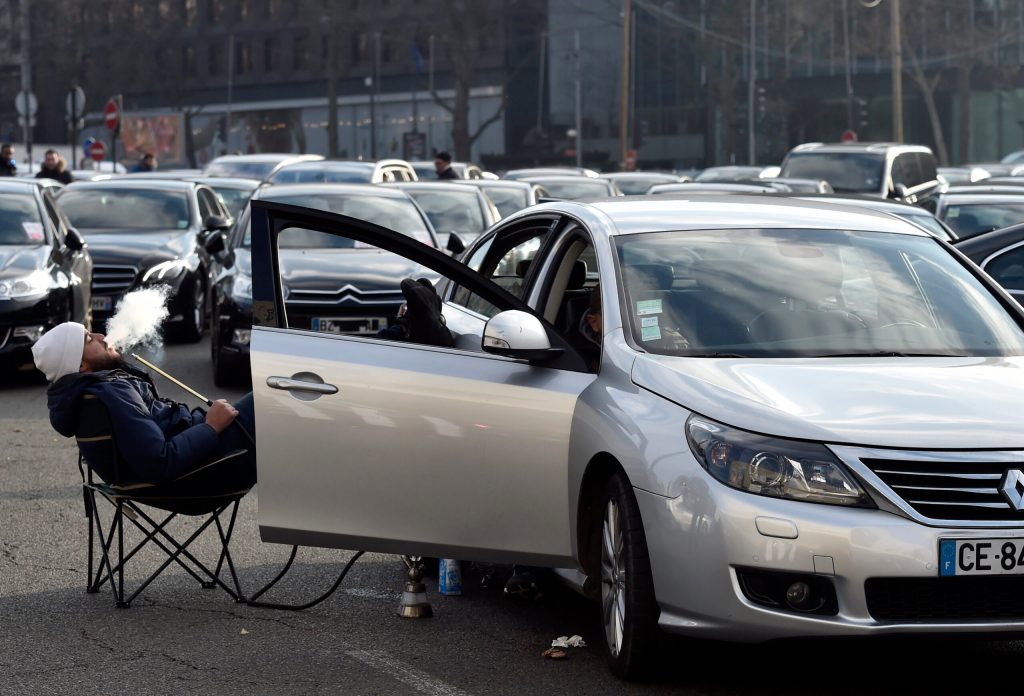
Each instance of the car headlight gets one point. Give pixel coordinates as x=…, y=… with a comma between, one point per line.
x=773, y=467
x=242, y=287
x=35, y=283
x=165, y=270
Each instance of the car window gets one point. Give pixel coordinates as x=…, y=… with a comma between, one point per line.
x=233, y=199
x=927, y=167
x=905, y=170
x=505, y=260
x=207, y=205
x=55, y=219
x=847, y=172
x=337, y=173
x=807, y=293
x=508, y=200
x=1008, y=269
x=20, y=220
x=968, y=219
x=451, y=211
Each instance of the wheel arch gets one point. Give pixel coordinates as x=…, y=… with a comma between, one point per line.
x=601, y=467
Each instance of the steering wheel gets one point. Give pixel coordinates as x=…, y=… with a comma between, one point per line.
x=904, y=322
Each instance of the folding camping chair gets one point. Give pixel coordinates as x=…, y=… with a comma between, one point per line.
x=128, y=500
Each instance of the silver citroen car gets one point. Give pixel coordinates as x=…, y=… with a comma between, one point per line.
x=730, y=417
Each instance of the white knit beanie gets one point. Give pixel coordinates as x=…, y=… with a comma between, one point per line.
x=59, y=351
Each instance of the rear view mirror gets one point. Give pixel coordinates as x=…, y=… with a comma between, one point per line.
x=214, y=243
x=215, y=222
x=455, y=244
x=74, y=239
x=900, y=191
x=519, y=335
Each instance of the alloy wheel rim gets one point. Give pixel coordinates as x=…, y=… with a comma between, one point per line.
x=613, y=578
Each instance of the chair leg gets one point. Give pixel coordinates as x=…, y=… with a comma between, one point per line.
x=121, y=604
x=105, y=544
x=90, y=507
x=225, y=540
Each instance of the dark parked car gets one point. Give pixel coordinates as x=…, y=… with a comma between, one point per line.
x=694, y=187
x=257, y=167
x=971, y=214
x=531, y=172
x=464, y=170
x=576, y=187
x=911, y=213
x=44, y=269
x=148, y=232
x=333, y=286
x=451, y=207
x=731, y=173
x=343, y=172
x=888, y=170
x=234, y=193
x=1000, y=253
x=637, y=183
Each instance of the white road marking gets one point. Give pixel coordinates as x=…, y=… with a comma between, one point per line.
x=405, y=673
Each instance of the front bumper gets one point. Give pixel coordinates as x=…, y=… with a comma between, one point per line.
x=699, y=542
x=33, y=312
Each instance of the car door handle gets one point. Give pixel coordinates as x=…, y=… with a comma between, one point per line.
x=289, y=384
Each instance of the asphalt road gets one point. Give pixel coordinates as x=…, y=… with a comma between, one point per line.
x=178, y=638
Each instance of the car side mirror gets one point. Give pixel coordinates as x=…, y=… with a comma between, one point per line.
x=520, y=335
x=215, y=222
x=900, y=191
x=74, y=239
x=214, y=243
x=455, y=244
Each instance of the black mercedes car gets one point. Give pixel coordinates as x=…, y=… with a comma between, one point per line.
x=148, y=232
x=44, y=269
x=1000, y=253
x=333, y=284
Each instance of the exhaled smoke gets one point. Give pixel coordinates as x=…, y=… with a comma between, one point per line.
x=138, y=318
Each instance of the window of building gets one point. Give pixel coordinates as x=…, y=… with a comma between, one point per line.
x=301, y=54
x=216, y=56
x=243, y=58
x=190, y=12
x=216, y=11
x=385, y=48
x=244, y=9
x=360, y=41
x=188, y=61
x=269, y=58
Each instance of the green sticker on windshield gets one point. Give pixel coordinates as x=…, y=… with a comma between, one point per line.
x=648, y=307
x=650, y=333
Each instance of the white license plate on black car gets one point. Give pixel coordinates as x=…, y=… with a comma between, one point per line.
x=102, y=304
x=958, y=557
x=349, y=325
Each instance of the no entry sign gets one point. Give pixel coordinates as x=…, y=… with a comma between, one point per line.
x=98, y=151
x=112, y=114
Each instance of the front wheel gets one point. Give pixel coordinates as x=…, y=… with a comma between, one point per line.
x=629, y=611
x=194, y=322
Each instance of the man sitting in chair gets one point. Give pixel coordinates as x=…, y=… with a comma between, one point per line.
x=158, y=439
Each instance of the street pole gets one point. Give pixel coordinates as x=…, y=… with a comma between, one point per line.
x=73, y=123
x=231, y=84
x=897, y=71
x=26, y=77
x=579, y=103
x=849, y=78
x=540, y=80
x=627, y=15
x=332, y=85
x=374, y=91
x=430, y=82
x=751, y=85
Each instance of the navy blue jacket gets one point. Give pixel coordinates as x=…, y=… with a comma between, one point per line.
x=160, y=440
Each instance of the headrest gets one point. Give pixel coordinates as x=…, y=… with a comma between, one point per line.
x=522, y=267
x=578, y=277
x=648, y=276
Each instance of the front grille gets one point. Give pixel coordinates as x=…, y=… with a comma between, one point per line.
x=112, y=280
x=950, y=490
x=933, y=600
x=347, y=295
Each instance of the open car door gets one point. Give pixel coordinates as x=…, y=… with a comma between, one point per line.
x=390, y=446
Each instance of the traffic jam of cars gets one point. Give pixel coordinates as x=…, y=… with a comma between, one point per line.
x=740, y=404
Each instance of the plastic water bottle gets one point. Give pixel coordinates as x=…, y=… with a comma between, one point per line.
x=449, y=577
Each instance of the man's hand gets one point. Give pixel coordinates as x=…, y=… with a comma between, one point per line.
x=220, y=415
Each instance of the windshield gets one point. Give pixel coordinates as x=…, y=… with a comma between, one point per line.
x=316, y=174
x=450, y=211
x=635, y=186
x=847, y=172
x=20, y=221
x=398, y=214
x=126, y=209
x=233, y=199
x=507, y=200
x=246, y=170
x=584, y=188
x=807, y=293
x=971, y=219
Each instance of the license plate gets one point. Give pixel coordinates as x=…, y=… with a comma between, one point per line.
x=981, y=557
x=102, y=304
x=349, y=325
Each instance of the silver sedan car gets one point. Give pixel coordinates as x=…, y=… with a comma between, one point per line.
x=730, y=417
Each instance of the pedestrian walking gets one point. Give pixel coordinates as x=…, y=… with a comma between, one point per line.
x=443, y=166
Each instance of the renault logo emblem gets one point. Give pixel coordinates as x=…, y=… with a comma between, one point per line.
x=1013, y=488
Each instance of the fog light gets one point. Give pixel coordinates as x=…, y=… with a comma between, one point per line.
x=241, y=337
x=799, y=596
x=806, y=594
x=32, y=333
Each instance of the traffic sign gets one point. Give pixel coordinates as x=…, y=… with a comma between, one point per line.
x=25, y=103
x=74, y=103
x=848, y=136
x=87, y=145
x=112, y=115
x=98, y=151
x=31, y=121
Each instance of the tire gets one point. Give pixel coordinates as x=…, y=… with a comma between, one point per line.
x=629, y=611
x=194, y=322
x=223, y=370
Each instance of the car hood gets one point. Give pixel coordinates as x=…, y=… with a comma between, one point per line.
x=908, y=403
x=18, y=261
x=331, y=269
x=141, y=249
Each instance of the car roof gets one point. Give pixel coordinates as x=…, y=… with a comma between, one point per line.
x=16, y=185
x=862, y=201
x=639, y=175
x=640, y=214
x=330, y=164
x=981, y=198
x=127, y=182
x=268, y=192
x=262, y=157
x=982, y=245
x=430, y=186
x=541, y=179
x=226, y=182
x=869, y=147
x=496, y=183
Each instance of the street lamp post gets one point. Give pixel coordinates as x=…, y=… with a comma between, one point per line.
x=897, y=71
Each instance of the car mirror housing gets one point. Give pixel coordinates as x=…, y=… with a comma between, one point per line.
x=900, y=191
x=455, y=244
x=215, y=222
x=214, y=243
x=74, y=239
x=520, y=335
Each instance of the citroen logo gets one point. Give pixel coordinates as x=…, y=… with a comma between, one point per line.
x=1013, y=488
